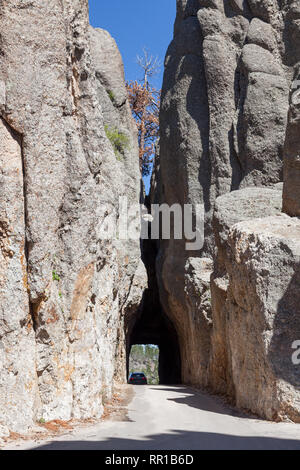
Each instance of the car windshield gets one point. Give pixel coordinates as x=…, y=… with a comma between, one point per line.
x=138, y=375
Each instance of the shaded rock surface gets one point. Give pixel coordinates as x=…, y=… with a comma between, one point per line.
x=291, y=192
x=64, y=290
x=225, y=102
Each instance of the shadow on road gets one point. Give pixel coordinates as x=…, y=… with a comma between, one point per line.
x=203, y=401
x=180, y=440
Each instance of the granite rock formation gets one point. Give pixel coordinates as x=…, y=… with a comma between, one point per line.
x=291, y=192
x=225, y=101
x=72, y=303
x=263, y=315
x=64, y=290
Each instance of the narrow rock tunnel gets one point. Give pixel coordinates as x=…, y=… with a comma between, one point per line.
x=152, y=326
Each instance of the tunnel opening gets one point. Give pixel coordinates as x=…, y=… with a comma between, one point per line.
x=152, y=326
x=145, y=358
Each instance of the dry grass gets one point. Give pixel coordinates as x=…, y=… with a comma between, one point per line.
x=57, y=425
x=14, y=436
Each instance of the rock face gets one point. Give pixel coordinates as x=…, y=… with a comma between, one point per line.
x=255, y=303
x=74, y=297
x=291, y=193
x=225, y=101
x=18, y=379
x=64, y=290
x=230, y=209
x=263, y=315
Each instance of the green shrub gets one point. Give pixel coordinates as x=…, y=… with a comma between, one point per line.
x=118, y=140
x=55, y=276
x=111, y=95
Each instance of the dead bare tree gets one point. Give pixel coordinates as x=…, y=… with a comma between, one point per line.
x=150, y=65
x=145, y=103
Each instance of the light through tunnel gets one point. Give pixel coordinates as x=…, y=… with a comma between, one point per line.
x=145, y=358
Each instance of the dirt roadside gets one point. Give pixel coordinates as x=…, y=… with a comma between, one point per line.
x=115, y=409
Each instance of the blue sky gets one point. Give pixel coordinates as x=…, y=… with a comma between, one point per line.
x=135, y=24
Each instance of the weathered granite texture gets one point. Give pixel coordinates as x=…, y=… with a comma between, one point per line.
x=263, y=315
x=291, y=192
x=68, y=298
x=255, y=303
x=234, y=207
x=225, y=101
x=64, y=291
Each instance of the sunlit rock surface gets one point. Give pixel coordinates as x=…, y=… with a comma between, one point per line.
x=63, y=290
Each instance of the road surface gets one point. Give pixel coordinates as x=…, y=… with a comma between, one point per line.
x=175, y=418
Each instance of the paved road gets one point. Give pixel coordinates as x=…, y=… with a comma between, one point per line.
x=167, y=417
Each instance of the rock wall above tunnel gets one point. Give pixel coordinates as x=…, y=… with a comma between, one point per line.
x=225, y=101
x=64, y=291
